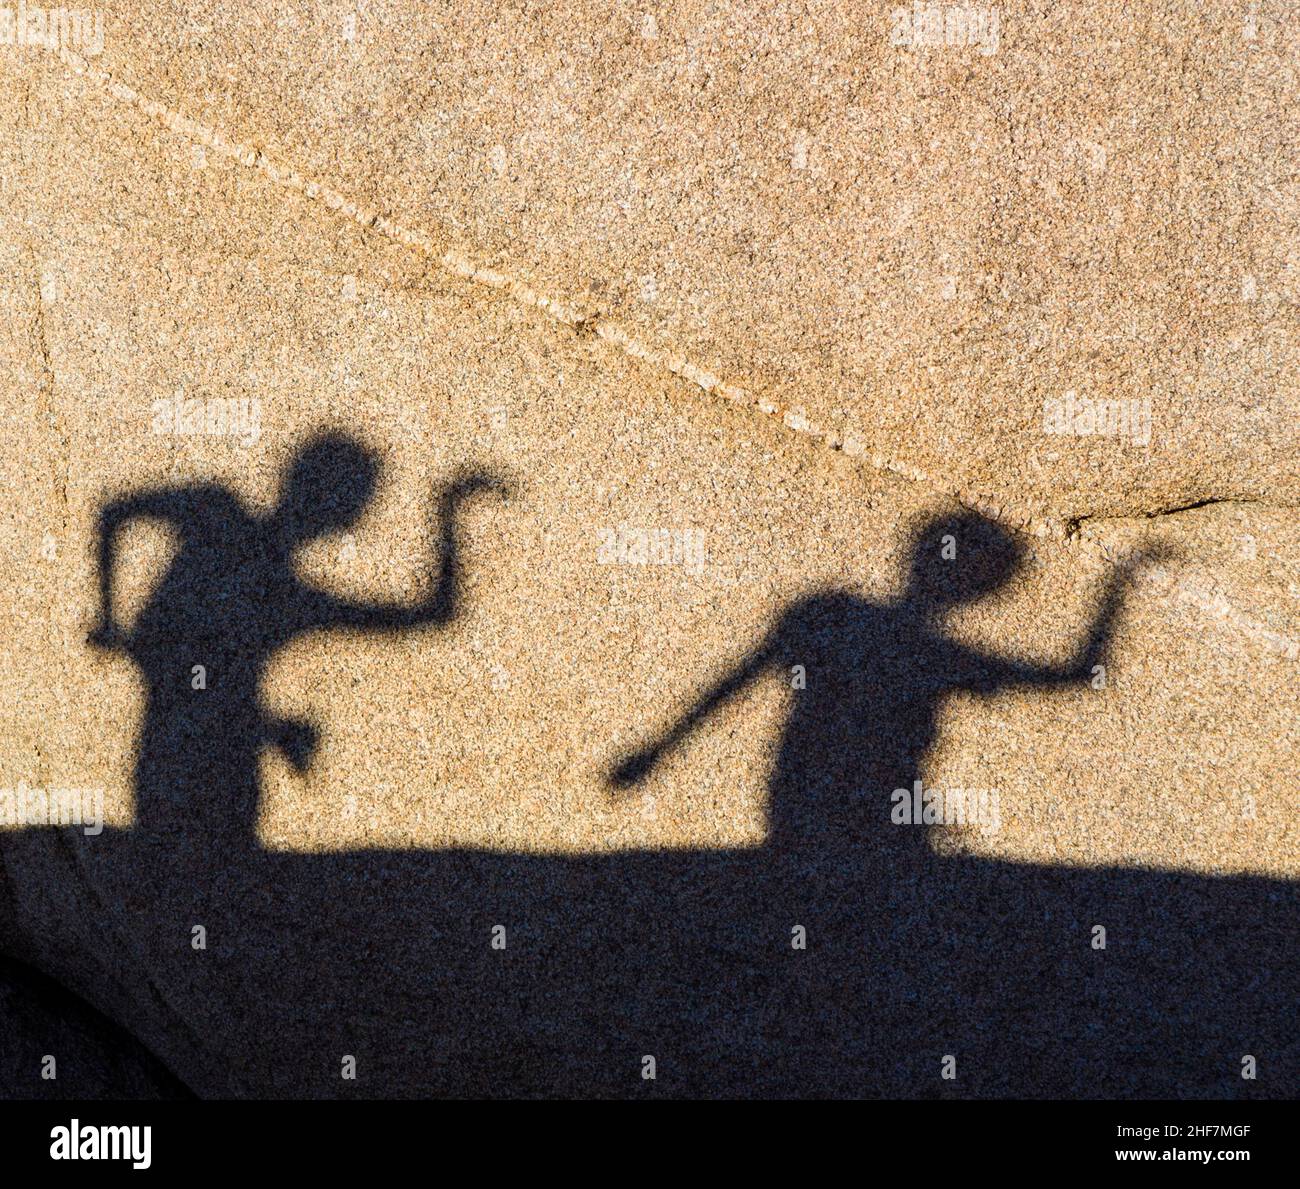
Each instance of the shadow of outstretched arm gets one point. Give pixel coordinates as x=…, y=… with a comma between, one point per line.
x=443, y=602
x=637, y=766
x=997, y=672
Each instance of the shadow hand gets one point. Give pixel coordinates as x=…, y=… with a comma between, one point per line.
x=1147, y=556
x=106, y=636
x=297, y=740
x=470, y=483
x=632, y=770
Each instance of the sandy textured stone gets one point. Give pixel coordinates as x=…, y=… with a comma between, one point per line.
x=904, y=254
x=922, y=247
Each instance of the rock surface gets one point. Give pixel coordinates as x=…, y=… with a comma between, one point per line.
x=738, y=312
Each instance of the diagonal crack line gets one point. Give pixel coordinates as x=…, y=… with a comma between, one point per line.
x=578, y=317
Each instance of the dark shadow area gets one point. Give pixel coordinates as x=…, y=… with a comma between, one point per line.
x=94, y=1058
x=683, y=955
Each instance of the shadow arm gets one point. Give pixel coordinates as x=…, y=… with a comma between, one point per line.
x=998, y=672
x=637, y=766
x=162, y=504
x=442, y=603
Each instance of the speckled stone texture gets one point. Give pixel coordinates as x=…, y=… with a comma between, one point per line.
x=774, y=346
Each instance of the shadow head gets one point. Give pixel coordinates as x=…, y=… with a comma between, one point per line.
x=327, y=486
x=960, y=559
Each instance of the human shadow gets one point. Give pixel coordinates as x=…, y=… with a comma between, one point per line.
x=841, y=957
x=230, y=600
x=867, y=681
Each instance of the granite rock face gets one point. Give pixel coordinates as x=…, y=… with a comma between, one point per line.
x=1074, y=217
x=461, y=402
